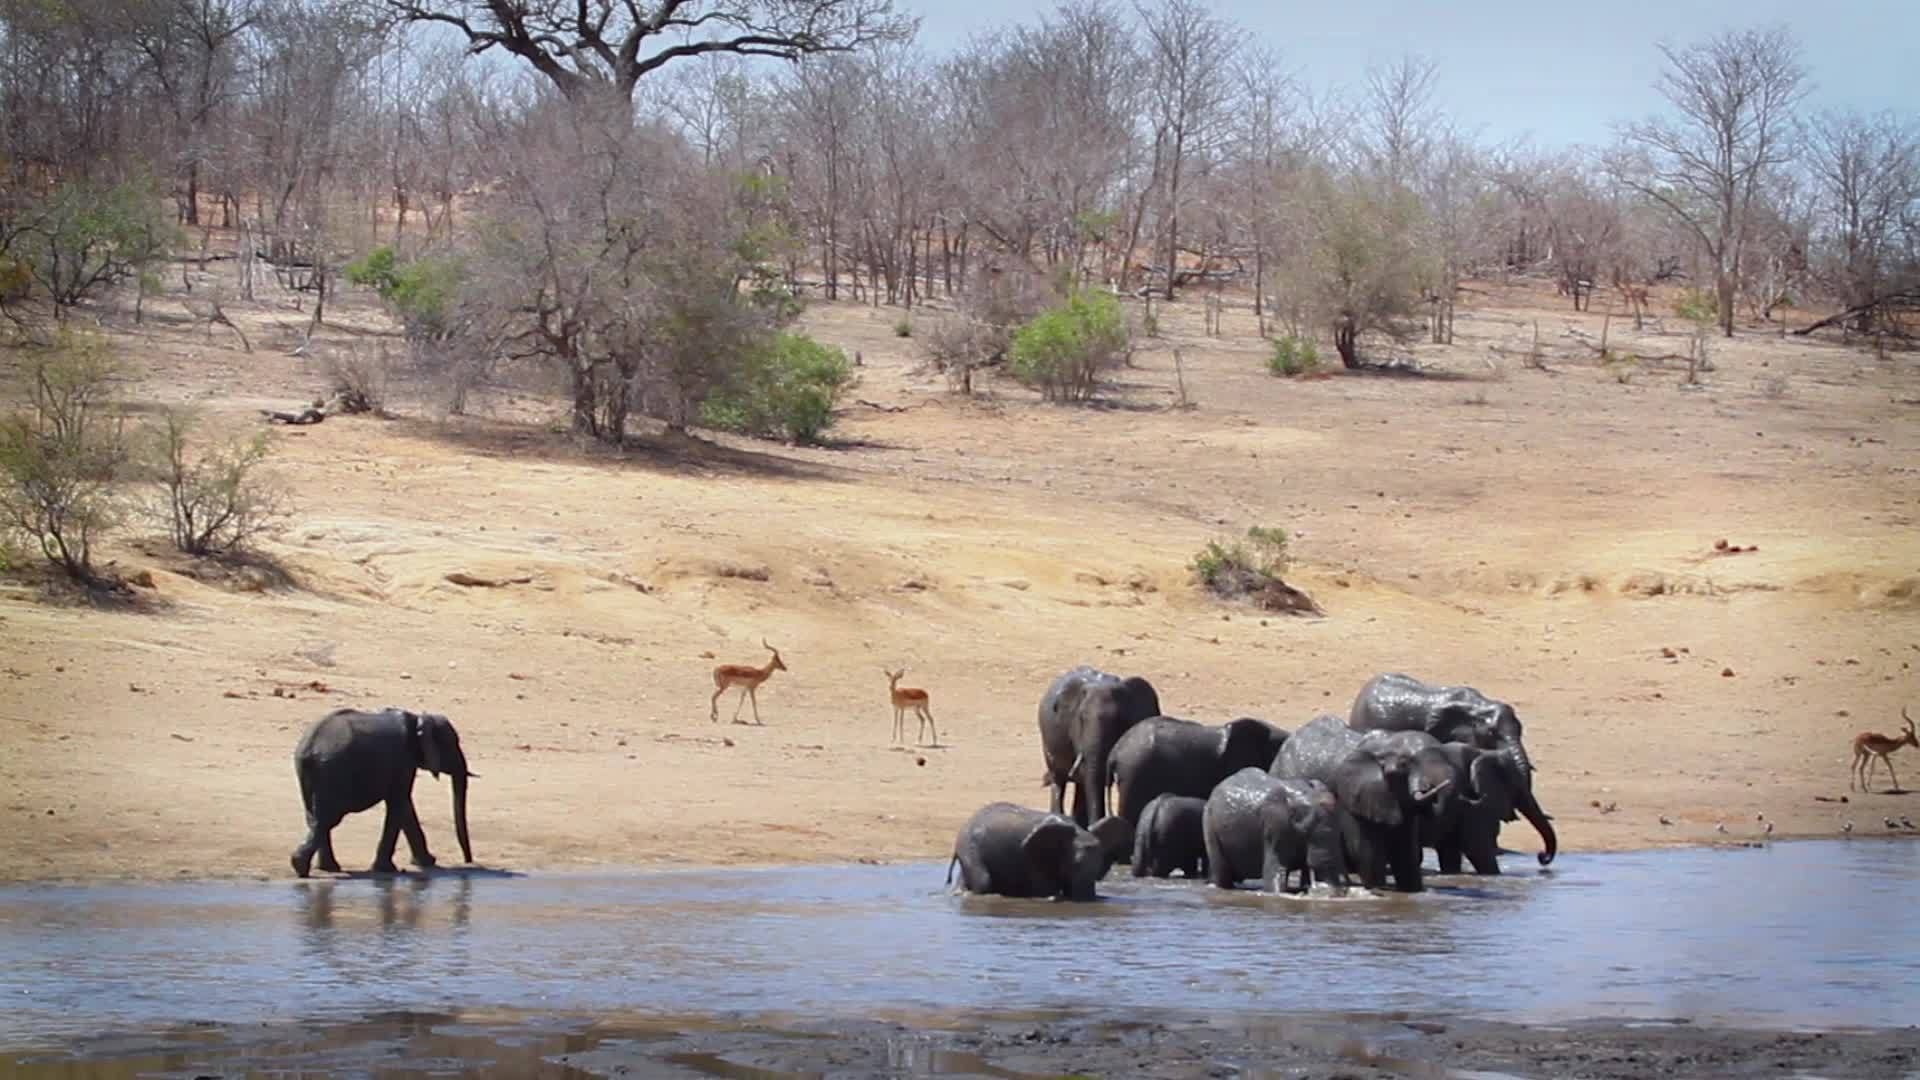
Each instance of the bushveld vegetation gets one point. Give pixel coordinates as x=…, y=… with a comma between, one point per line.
x=642, y=213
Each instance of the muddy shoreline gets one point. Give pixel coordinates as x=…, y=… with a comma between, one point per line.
x=1010, y=1045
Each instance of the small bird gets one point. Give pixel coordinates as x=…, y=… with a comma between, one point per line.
x=1665, y=820
x=1769, y=828
x=1847, y=828
x=1719, y=826
x=1759, y=817
x=1890, y=823
x=1610, y=808
x=1906, y=822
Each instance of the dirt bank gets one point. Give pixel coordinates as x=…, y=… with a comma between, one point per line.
x=1010, y=1046
x=1547, y=537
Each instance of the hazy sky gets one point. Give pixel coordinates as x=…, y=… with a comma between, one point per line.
x=1560, y=72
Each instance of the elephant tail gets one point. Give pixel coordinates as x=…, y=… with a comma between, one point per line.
x=951, y=863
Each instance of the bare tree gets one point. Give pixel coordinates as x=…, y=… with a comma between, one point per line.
x=1866, y=175
x=1736, y=93
x=1189, y=53
x=1399, y=109
x=603, y=49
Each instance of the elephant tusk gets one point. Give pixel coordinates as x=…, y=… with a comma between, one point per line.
x=1433, y=792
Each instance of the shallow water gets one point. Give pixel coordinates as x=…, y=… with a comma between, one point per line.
x=1786, y=936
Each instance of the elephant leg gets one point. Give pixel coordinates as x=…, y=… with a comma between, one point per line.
x=328, y=860
x=1218, y=873
x=1403, y=858
x=1058, y=797
x=318, y=840
x=416, y=837
x=973, y=873
x=1483, y=854
x=1448, y=852
x=389, y=837
x=1080, y=801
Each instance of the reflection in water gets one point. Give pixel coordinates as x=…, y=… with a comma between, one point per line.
x=1771, y=937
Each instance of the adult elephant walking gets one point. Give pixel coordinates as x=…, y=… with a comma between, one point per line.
x=1458, y=714
x=1379, y=786
x=1014, y=851
x=1164, y=755
x=349, y=760
x=1082, y=715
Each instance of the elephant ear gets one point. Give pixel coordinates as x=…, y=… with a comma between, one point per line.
x=1048, y=848
x=1497, y=778
x=1116, y=837
x=1243, y=743
x=437, y=743
x=1362, y=787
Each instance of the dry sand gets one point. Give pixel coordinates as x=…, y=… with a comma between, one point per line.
x=1542, y=536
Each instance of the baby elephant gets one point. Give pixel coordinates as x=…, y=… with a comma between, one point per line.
x=1014, y=851
x=1169, y=837
x=1261, y=826
x=349, y=761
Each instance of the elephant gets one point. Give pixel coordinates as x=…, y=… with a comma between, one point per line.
x=1456, y=714
x=1164, y=755
x=1498, y=788
x=1168, y=837
x=349, y=760
x=1259, y=825
x=1015, y=851
x=1082, y=715
x=1383, y=793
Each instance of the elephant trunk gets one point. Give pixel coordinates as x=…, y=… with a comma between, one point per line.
x=1543, y=825
x=1431, y=793
x=460, y=815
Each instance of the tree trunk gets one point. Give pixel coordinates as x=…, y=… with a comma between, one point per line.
x=1346, y=342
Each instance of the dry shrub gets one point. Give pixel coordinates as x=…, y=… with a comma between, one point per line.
x=357, y=378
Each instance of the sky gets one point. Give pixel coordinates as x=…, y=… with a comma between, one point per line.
x=1558, y=74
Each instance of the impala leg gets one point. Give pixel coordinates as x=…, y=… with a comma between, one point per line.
x=1890, y=773
x=927, y=714
x=713, y=711
x=753, y=695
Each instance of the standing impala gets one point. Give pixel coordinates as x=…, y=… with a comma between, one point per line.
x=904, y=698
x=748, y=679
x=1869, y=745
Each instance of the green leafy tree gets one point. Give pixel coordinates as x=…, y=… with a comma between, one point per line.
x=85, y=236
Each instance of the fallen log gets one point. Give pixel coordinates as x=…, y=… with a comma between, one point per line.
x=1905, y=296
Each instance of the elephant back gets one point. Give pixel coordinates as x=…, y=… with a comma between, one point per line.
x=1316, y=749
x=1393, y=702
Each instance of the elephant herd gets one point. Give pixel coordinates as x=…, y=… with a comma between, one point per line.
x=1413, y=766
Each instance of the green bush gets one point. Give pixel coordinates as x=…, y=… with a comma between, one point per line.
x=903, y=328
x=1251, y=568
x=420, y=292
x=1064, y=349
x=61, y=454
x=1293, y=356
x=785, y=388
